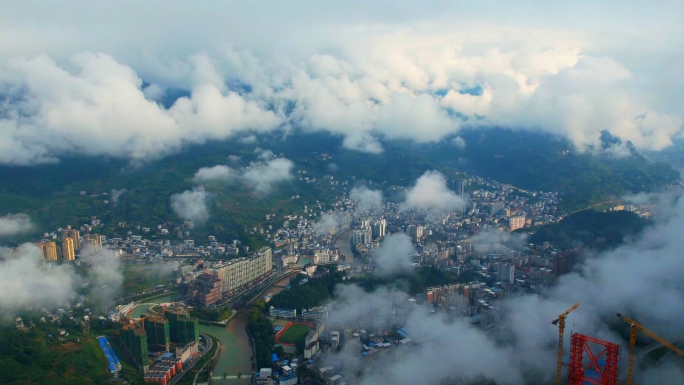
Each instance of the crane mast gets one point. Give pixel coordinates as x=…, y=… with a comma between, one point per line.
x=560, y=321
x=634, y=327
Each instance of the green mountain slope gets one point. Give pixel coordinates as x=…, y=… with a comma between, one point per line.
x=51, y=193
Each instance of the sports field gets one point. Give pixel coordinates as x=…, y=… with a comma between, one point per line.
x=293, y=333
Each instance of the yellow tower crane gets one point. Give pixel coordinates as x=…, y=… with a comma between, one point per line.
x=634, y=327
x=560, y=321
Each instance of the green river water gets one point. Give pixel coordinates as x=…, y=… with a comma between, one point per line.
x=236, y=351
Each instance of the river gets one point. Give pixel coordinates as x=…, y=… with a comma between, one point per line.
x=235, y=356
x=344, y=245
x=141, y=309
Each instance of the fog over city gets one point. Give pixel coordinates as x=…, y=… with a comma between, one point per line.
x=640, y=280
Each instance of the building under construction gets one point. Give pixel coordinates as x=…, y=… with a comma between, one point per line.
x=158, y=336
x=183, y=329
x=134, y=340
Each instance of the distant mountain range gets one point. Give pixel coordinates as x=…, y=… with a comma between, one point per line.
x=533, y=161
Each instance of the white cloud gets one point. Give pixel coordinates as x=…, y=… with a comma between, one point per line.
x=248, y=139
x=363, y=142
x=191, y=204
x=431, y=192
x=329, y=223
x=261, y=176
x=116, y=195
x=105, y=275
x=351, y=69
x=414, y=117
x=216, y=173
x=96, y=106
x=394, y=255
x=27, y=281
x=366, y=197
x=459, y=142
x=12, y=224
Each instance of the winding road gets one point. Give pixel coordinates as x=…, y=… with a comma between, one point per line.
x=193, y=361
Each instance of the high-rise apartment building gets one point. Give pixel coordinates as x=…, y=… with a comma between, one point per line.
x=208, y=289
x=49, y=250
x=362, y=236
x=267, y=253
x=516, y=222
x=182, y=328
x=416, y=231
x=459, y=187
x=379, y=228
x=74, y=235
x=158, y=336
x=241, y=271
x=68, y=252
x=495, y=207
x=92, y=242
x=506, y=273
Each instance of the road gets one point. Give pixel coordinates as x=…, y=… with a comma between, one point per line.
x=592, y=206
x=190, y=364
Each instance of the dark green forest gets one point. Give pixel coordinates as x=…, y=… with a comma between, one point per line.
x=416, y=282
x=316, y=292
x=588, y=227
x=260, y=330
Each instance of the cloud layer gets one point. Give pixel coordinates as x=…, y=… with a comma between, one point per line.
x=27, y=281
x=13, y=224
x=329, y=223
x=261, y=175
x=394, y=255
x=431, y=192
x=191, y=204
x=215, y=173
x=105, y=275
x=352, y=69
x=366, y=197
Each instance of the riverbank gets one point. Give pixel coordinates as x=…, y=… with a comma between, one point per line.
x=233, y=365
x=344, y=245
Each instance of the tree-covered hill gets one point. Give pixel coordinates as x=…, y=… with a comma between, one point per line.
x=51, y=193
x=595, y=229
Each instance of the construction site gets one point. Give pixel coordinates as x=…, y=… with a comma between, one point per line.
x=149, y=339
x=595, y=361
